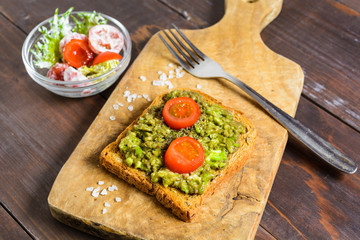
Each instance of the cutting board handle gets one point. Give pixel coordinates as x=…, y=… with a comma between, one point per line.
x=249, y=13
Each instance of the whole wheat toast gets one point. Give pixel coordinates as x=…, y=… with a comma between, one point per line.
x=184, y=206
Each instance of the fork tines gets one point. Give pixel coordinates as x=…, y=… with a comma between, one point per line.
x=193, y=56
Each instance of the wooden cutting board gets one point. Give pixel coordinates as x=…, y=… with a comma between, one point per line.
x=233, y=212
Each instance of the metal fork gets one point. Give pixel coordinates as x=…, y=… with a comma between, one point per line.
x=198, y=64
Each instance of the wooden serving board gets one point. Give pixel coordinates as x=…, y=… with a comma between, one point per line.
x=233, y=212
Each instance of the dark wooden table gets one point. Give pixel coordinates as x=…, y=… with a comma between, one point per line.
x=39, y=130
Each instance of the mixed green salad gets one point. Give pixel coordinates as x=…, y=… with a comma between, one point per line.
x=83, y=48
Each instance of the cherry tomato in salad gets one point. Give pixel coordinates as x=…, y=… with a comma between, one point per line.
x=77, y=53
x=70, y=37
x=56, y=72
x=103, y=38
x=106, y=56
x=181, y=112
x=184, y=155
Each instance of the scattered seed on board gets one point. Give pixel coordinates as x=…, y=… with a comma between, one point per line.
x=130, y=107
x=104, y=211
x=106, y=204
x=112, y=118
x=90, y=189
x=100, y=182
x=198, y=86
x=118, y=199
x=126, y=93
x=103, y=192
x=116, y=106
x=95, y=192
x=143, y=78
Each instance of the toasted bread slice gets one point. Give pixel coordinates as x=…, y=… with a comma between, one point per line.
x=184, y=206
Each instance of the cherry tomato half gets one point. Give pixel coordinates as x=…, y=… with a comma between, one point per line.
x=103, y=38
x=56, y=72
x=181, y=112
x=184, y=155
x=77, y=53
x=106, y=56
x=70, y=37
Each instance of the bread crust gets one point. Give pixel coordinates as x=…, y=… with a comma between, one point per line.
x=184, y=206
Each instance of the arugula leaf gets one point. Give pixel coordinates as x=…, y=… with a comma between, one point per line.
x=46, y=51
x=88, y=20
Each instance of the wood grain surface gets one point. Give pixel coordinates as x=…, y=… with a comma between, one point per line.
x=236, y=209
x=308, y=200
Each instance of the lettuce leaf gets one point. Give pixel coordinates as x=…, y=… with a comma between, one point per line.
x=87, y=21
x=46, y=50
x=98, y=69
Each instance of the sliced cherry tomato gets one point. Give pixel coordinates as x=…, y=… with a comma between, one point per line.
x=106, y=56
x=56, y=72
x=103, y=38
x=77, y=53
x=181, y=112
x=70, y=37
x=184, y=155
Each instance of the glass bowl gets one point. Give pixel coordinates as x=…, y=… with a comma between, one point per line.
x=75, y=89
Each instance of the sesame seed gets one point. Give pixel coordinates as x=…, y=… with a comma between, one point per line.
x=118, y=199
x=198, y=86
x=100, y=182
x=112, y=118
x=110, y=189
x=104, y=211
x=160, y=72
x=116, y=106
x=171, y=65
x=130, y=107
x=90, y=189
x=121, y=105
x=143, y=78
x=114, y=187
x=106, y=204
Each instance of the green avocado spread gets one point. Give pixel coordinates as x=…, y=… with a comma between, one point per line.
x=145, y=144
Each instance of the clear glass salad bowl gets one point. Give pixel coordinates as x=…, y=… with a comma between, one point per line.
x=75, y=89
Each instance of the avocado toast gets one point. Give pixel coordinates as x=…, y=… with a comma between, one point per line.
x=137, y=155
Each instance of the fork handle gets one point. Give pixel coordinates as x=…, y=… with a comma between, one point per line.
x=310, y=139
